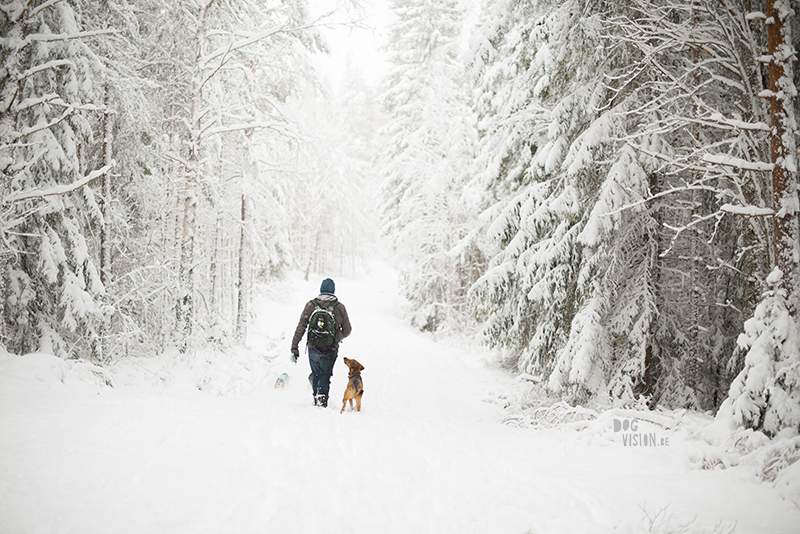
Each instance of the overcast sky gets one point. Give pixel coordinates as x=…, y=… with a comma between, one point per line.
x=362, y=45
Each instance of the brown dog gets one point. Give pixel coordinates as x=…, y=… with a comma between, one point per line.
x=355, y=387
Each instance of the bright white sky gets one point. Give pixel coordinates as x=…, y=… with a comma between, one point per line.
x=361, y=44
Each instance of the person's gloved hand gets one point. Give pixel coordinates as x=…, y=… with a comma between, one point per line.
x=295, y=355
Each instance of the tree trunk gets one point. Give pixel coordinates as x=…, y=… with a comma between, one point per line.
x=653, y=368
x=105, y=233
x=693, y=367
x=312, y=254
x=241, y=285
x=185, y=313
x=214, y=268
x=186, y=294
x=786, y=233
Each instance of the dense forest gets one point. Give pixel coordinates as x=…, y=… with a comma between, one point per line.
x=606, y=191
x=158, y=160
x=614, y=193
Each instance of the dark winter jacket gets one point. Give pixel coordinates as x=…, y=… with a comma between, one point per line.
x=325, y=300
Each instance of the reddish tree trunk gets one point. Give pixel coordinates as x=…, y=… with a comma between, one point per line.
x=786, y=241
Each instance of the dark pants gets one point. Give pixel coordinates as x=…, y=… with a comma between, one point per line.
x=321, y=370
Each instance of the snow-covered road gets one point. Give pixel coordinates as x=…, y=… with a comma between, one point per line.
x=426, y=454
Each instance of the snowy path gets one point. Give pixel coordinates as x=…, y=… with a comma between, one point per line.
x=425, y=455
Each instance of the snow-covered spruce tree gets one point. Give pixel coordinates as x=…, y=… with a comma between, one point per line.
x=429, y=139
x=51, y=285
x=680, y=88
x=569, y=290
x=676, y=87
x=766, y=394
x=122, y=234
x=137, y=230
x=701, y=72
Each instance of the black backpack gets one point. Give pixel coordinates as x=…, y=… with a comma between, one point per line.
x=322, y=326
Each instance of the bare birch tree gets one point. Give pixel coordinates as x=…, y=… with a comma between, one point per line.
x=219, y=32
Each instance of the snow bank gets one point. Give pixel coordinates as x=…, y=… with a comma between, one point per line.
x=217, y=370
x=213, y=371
x=47, y=373
x=703, y=441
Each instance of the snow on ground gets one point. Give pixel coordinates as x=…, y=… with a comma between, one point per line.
x=204, y=443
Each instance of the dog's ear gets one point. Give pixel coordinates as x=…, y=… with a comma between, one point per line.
x=361, y=367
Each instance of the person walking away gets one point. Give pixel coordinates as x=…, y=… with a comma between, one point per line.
x=326, y=323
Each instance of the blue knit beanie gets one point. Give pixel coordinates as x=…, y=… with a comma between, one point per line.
x=327, y=286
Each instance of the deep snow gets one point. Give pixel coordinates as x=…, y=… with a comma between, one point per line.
x=205, y=443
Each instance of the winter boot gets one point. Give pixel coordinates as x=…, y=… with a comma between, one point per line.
x=321, y=401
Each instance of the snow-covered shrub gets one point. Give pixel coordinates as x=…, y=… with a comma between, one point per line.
x=766, y=394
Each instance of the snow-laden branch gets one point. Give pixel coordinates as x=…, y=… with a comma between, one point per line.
x=18, y=44
x=739, y=124
x=749, y=211
x=176, y=158
x=38, y=128
x=16, y=10
x=717, y=159
x=30, y=102
x=730, y=161
x=674, y=190
x=650, y=53
x=59, y=189
x=679, y=230
x=242, y=43
x=48, y=65
x=668, y=160
x=39, y=9
x=55, y=100
x=273, y=125
x=714, y=159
